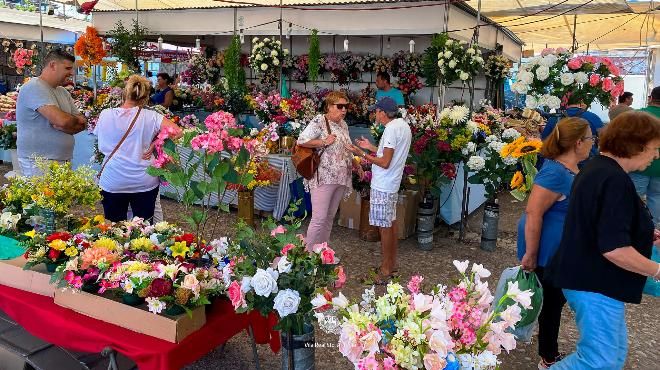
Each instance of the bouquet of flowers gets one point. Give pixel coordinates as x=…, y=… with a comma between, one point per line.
x=183, y=96
x=199, y=71
x=189, y=121
x=406, y=63
x=526, y=151
x=335, y=65
x=265, y=59
x=490, y=167
x=7, y=135
x=497, y=67
x=277, y=271
x=382, y=64
x=458, y=61
x=362, y=176
x=300, y=68
x=353, y=68
x=360, y=103
x=409, y=84
x=257, y=173
x=444, y=328
x=208, y=98
x=110, y=97
x=268, y=108
x=23, y=58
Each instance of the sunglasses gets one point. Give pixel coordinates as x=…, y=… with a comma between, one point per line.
x=341, y=106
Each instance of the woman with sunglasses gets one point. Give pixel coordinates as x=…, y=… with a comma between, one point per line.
x=328, y=133
x=541, y=225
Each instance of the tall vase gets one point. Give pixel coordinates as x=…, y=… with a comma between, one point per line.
x=489, y=225
x=246, y=206
x=302, y=347
x=367, y=232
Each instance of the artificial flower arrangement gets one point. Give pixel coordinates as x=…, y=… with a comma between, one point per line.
x=256, y=173
x=497, y=68
x=526, y=151
x=189, y=121
x=265, y=59
x=300, y=68
x=489, y=167
x=458, y=61
x=361, y=176
x=199, y=71
x=276, y=271
x=89, y=47
x=458, y=327
x=23, y=58
x=407, y=68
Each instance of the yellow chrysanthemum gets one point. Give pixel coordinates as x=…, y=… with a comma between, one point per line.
x=141, y=244
x=527, y=147
x=517, y=180
x=179, y=249
x=106, y=243
x=58, y=244
x=71, y=252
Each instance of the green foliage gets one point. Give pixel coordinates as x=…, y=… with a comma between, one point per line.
x=314, y=57
x=234, y=73
x=8, y=136
x=126, y=44
x=430, y=69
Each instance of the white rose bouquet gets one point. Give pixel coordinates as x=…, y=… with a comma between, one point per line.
x=266, y=57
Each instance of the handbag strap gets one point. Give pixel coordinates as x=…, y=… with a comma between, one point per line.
x=128, y=131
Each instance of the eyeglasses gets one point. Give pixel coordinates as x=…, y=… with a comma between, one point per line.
x=341, y=106
x=594, y=139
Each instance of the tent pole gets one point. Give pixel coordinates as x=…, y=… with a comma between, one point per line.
x=235, y=20
x=574, y=31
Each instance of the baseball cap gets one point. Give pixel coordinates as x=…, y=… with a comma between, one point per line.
x=386, y=104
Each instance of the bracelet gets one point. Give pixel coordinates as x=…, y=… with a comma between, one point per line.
x=656, y=277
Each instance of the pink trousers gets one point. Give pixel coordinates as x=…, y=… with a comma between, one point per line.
x=325, y=202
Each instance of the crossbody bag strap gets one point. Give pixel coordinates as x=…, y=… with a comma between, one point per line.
x=128, y=131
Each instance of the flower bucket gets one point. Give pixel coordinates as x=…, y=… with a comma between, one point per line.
x=51, y=266
x=246, y=207
x=303, y=350
x=426, y=222
x=489, y=226
x=367, y=232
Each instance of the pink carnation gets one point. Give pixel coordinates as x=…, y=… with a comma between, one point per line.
x=415, y=283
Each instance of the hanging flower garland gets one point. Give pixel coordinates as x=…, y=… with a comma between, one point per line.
x=497, y=68
x=90, y=47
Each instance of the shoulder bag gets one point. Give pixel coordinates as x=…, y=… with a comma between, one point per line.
x=307, y=160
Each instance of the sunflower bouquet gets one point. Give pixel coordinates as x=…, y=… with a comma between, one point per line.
x=526, y=151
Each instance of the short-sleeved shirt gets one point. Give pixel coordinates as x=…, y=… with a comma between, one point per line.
x=652, y=170
x=605, y=213
x=393, y=93
x=595, y=123
x=397, y=136
x=35, y=135
x=336, y=162
x=555, y=177
x=126, y=170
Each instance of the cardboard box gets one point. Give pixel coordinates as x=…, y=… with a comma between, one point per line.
x=36, y=280
x=349, y=211
x=138, y=319
x=406, y=213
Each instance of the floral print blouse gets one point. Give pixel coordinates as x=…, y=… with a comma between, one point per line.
x=336, y=161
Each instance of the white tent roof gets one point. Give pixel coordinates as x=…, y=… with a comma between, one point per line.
x=105, y=5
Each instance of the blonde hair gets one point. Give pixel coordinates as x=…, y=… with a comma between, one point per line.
x=137, y=89
x=332, y=98
x=564, y=136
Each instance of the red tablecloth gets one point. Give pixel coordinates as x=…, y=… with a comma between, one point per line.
x=66, y=328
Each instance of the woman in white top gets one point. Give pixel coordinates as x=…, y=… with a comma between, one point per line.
x=124, y=180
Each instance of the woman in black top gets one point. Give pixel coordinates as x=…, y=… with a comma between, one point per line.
x=603, y=258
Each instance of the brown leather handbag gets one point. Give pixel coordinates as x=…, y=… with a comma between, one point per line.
x=307, y=160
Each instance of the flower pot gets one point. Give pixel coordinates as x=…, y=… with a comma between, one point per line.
x=246, y=207
x=489, y=226
x=286, y=144
x=51, y=266
x=175, y=310
x=367, y=232
x=132, y=299
x=302, y=347
x=426, y=222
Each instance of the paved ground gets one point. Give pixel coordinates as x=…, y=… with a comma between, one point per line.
x=436, y=266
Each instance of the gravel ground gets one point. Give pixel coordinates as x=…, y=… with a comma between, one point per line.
x=436, y=266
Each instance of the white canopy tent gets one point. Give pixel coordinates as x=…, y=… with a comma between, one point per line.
x=22, y=25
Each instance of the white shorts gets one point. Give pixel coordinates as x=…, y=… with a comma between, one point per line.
x=382, y=208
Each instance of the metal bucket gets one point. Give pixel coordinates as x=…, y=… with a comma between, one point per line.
x=425, y=224
x=303, y=350
x=489, y=226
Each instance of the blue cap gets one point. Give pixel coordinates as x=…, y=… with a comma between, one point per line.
x=386, y=104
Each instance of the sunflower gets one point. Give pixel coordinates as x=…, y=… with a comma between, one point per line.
x=511, y=147
x=517, y=180
x=526, y=148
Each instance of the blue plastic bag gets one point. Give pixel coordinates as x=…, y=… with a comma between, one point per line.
x=652, y=287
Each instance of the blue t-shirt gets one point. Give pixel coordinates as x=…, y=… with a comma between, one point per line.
x=594, y=122
x=159, y=96
x=393, y=93
x=555, y=177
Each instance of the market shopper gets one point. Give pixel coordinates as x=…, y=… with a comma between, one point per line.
x=575, y=109
x=46, y=115
x=385, y=89
x=541, y=225
x=124, y=180
x=647, y=182
x=625, y=102
x=387, y=171
x=164, y=94
x=328, y=133
x=603, y=258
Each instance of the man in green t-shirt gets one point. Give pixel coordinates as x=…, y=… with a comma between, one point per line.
x=647, y=182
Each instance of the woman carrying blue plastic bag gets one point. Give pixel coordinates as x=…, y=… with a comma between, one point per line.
x=603, y=258
x=541, y=225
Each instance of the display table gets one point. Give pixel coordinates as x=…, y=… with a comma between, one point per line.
x=274, y=198
x=63, y=327
x=451, y=198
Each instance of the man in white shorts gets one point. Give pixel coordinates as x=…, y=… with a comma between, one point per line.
x=387, y=171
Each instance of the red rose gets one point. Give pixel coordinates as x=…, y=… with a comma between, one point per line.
x=54, y=254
